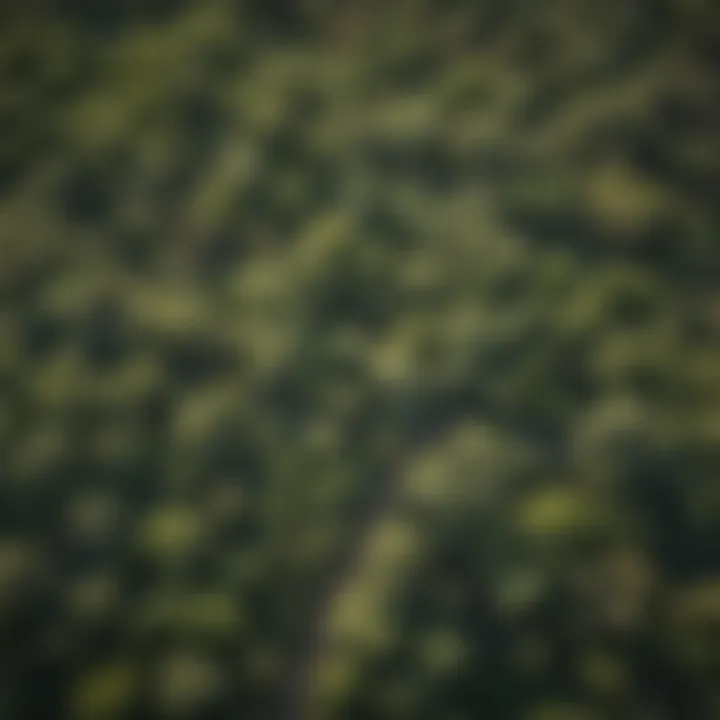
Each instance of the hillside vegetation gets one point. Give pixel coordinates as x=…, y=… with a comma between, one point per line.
x=360, y=360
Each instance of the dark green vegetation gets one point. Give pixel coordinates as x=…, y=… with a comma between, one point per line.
x=360, y=362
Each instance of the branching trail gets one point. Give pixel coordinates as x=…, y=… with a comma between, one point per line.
x=422, y=422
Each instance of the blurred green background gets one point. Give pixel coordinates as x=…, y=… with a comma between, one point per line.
x=359, y=360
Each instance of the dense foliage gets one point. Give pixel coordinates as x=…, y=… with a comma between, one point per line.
x=360, y=360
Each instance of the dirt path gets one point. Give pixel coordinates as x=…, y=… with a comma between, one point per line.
x=300, y=685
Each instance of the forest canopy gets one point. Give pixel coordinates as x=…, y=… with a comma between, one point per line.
x=359, y=360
